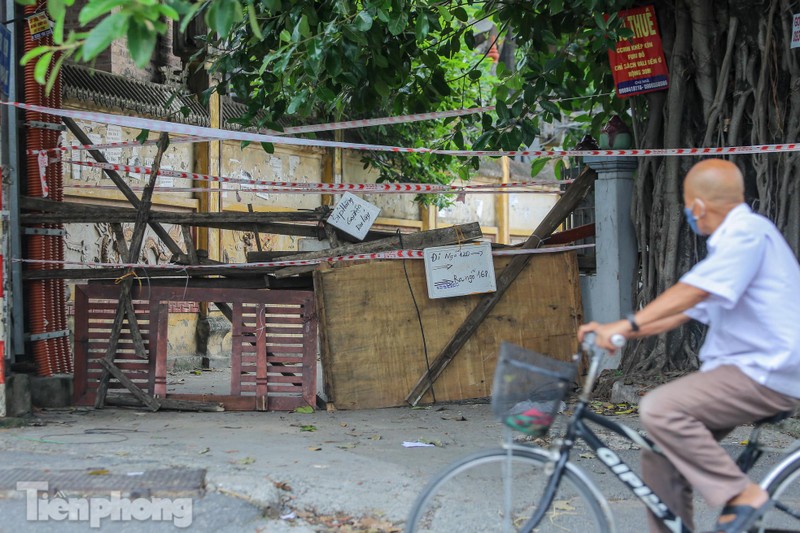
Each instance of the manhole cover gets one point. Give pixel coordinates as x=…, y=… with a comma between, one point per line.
x=165, y=482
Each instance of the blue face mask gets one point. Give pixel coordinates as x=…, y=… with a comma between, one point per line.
x=691, y=220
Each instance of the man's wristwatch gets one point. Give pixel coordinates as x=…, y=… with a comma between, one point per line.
x=632, y=320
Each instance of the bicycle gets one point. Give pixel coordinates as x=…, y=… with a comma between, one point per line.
x=527, y=488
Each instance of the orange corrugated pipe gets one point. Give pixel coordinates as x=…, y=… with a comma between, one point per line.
x=36, y=293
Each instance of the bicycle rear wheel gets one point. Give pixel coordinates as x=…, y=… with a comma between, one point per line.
x=468, y=496
x=783, y=486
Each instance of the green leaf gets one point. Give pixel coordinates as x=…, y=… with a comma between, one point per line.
x=598, y=18
x=381, y=88
x=33, y=53
x=556, y=6
x=99, y=8
x=143, y=136
x=461, y=14
x=306, y=409
x=100, y=38
x=363, y=21
x=222, y=15
x=141, y=43
x=502, y=111
x=550, y=107
x=298, y=100
x=251, y=15
x=42, y=66
x=469, y=38
x=268, y=147
x=273, y=5
x=191, y=14
x=558, y=169
x=538, y=164
x=422, y=27
x=397, y=23
x=474, y=75
x=54, y=73
x=302, y=27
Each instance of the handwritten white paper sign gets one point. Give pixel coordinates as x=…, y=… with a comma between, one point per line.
x=459, y=270
x=353, y=215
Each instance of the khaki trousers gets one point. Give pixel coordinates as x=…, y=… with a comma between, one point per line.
x=686, y=418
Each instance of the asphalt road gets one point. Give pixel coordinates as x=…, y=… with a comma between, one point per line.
x=277, y=472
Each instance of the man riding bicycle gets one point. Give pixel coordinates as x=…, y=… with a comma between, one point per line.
x=747, y=290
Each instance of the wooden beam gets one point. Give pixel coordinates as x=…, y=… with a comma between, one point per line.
x=565, y=205
x=69, y=212
x=120, y=183
x=124, y=400
x=416, y=241
x=501, y=206
x=154, y=404
x=125, y=293
x=571, y=235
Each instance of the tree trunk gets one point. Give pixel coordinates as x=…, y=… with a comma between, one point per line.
x=733, y=81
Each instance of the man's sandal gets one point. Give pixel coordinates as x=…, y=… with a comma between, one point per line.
x=745, y=516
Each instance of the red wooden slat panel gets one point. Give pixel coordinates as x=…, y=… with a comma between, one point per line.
x=269, y=328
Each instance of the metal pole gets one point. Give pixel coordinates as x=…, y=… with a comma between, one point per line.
x=10, y=155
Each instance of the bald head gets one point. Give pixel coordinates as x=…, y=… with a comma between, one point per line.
x=716, y=182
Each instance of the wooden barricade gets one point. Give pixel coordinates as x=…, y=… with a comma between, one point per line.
x=273, y=349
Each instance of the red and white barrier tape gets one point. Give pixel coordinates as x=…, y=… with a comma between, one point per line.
x=400, y=119
x=218, y=134
x=396, y=254
x=269, y=190
x=291, y=186
x=121, y=144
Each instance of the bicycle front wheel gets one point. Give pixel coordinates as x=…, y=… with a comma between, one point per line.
x=783, y=486
x=470, y=496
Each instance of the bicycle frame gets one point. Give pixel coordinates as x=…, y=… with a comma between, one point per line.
x=577, y=429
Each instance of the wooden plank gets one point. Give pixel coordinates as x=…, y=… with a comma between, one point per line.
x=152, y=403
x=571, y=235
x=81, y=348
x=160, y=314
x=417, y=240
x=372, y=354
x=127, y=400
x=74, y=212
x=565, y=205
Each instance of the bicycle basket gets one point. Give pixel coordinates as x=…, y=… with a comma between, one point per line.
x=528, y=389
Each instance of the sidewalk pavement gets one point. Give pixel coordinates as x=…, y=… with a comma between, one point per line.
x=272, y=472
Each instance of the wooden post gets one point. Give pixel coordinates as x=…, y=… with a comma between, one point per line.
x=125, y=294
x=214, y=201
x=328, y=159
x=427, y=214
x=566, y=204
x=501, y=206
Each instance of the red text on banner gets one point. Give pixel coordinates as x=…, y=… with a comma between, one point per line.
x=638, y=64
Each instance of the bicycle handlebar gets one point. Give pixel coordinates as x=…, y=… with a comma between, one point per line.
x=589, y=345
x=589, y=341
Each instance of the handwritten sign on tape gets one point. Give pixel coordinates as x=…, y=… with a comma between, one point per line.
x=353, y=215
x=460, y=269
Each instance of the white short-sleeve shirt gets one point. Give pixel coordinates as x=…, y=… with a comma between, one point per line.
x=753, y=310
